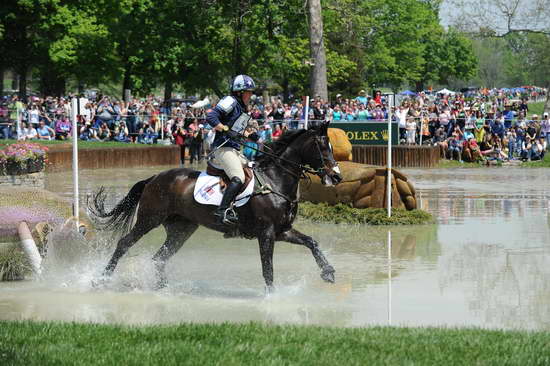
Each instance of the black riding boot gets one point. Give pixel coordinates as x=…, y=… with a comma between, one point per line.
x=225, y=215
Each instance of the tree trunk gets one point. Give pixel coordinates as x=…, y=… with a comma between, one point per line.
x=2, y=74
x=127, y=82
x=286, y=90
x=51, y=83
x=168, y=88
x=237, y=54
x=419, y=85
x=317, y=49
x=14, y=80
x=23, y=83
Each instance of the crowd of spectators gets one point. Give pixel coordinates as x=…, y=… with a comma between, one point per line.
x=469, y=126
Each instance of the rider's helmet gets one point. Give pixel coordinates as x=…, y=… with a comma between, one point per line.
x=242, y=83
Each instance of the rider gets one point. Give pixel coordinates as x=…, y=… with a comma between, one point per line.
x=229, y=120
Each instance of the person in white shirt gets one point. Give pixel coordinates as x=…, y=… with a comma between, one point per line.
x=545, y=128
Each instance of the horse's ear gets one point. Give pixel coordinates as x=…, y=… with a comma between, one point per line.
x=323, y=128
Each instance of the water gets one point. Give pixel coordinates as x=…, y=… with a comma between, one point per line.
x=486, y=263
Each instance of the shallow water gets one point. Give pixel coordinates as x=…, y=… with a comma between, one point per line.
x=486, y=263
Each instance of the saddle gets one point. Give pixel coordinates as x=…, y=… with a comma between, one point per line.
x=224, y=179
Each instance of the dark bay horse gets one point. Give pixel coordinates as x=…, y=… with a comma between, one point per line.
x=167, y=199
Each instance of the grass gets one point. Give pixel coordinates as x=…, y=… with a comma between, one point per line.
x=444, y=163
x=342, y=213
x=536, y=108
x=29, y=343
x=13, y=265
x=544, y=163
x=83, y=144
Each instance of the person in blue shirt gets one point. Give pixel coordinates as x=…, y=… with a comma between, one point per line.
x=362, y=98
x=229, y=119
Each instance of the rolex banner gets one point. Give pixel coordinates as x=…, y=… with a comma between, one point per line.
x=368, y=133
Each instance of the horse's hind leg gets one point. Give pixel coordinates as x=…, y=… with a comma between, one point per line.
x=142, y=227
x=296, y=237
x=177, y=232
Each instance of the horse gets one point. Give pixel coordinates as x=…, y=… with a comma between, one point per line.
x=167, y=199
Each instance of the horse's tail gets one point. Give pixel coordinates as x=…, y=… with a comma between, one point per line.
x=119, y=219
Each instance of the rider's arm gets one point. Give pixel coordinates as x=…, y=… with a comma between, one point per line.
x=224, y=107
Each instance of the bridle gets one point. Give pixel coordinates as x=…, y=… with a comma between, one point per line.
x=303, y=167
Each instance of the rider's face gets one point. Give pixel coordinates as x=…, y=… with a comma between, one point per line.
x=246, y=96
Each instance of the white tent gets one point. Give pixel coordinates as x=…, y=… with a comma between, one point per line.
x=446, y=91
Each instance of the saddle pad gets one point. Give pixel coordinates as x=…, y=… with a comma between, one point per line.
x=207, y=191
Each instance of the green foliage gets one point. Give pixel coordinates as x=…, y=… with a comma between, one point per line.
x=30, y=343
x=13, y=264
x=342, y=213
x=515, y=60
x=199, y=45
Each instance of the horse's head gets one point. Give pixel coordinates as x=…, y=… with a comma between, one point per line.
x=318, y=155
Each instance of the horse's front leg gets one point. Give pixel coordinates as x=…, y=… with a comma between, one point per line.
x=295, y=237
x=267, y=241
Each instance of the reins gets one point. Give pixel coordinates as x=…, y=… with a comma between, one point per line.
x=303, y=168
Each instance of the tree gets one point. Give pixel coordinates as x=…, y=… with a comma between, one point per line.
x=500, y=18
x=317, y=47
x=448, y=54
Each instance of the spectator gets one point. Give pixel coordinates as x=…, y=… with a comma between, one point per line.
x=63, y=128
x=336, y=114
x=120, y=134
x=455, y=147
x=545, y=128
x=179, y=137
x=362, y=97
x=277, y=132
x=195, y=146
x=87, y=133
x=45, y=132
x=103, y=133
x=411, y=131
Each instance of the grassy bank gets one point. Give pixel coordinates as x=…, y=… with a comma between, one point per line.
x=342, y=213
x=544, y=163
x=83, y=144
x=444, y=163
x=27, y=343
x=536, y=108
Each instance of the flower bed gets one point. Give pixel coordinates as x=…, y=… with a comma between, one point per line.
x=22, y=158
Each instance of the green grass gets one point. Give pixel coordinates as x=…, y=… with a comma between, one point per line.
x=536, y=108
x=444, y=163
x=28, y=343
x=544, y=163
x=84, y=144
x=342, y=213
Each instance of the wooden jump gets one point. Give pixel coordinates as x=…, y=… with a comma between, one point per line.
x=60, y=158
x=403, y=156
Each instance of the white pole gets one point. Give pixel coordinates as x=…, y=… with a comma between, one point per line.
x=389, y=277
x=18, y=122
x=388, y=182
x=307, y=113
x=421, y=127
x=162, y=127
x=29, y=247
x=76, y=208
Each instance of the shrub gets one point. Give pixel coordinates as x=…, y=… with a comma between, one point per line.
x=22, y=158
x=344, y=213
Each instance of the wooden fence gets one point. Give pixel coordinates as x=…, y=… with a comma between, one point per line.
x=402, y=156
x=60, y=158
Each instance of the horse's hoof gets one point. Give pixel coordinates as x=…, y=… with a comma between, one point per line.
x=161, y=284
x=100, y=282
x=269, y=289
x=328, y=275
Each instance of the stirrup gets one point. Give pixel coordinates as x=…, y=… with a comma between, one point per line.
x=227, y=217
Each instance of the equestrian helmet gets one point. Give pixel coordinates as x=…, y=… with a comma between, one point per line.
x=242, y=83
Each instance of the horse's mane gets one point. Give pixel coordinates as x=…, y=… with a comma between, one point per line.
x=278, y=146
